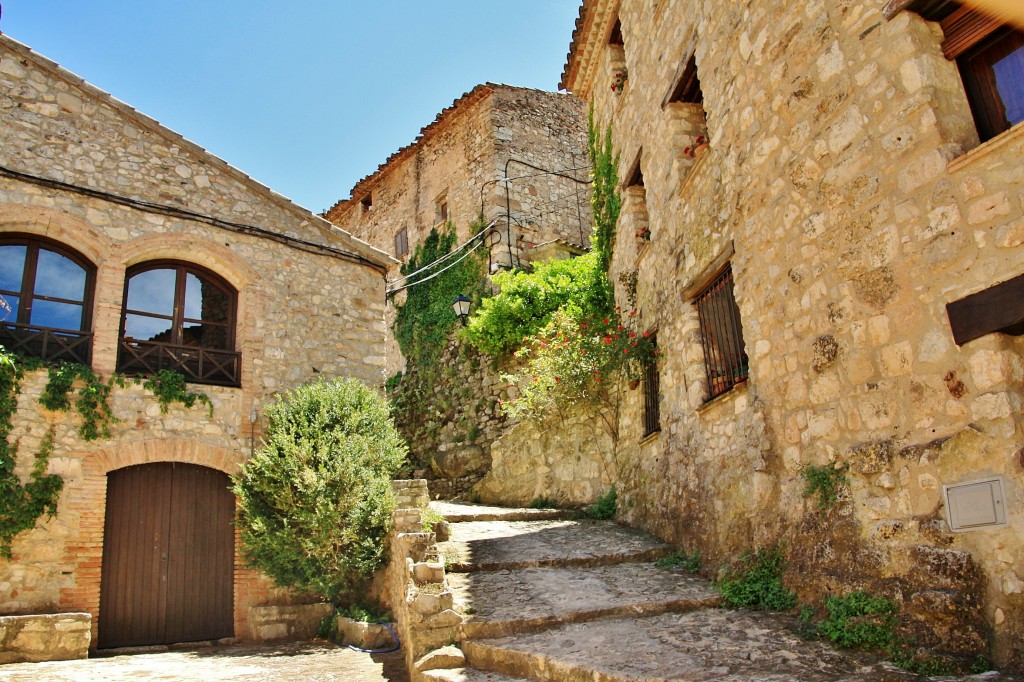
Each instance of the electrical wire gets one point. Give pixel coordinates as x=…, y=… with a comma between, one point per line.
x=391, y=292
x=186, y=214
x=454, y=252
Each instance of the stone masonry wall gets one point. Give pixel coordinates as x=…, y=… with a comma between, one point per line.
x=300, y=314
x=846, y=185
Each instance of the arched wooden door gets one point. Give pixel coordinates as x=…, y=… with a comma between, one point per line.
x=168, y=556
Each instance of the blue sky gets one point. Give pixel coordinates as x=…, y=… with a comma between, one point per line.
x=307, y=96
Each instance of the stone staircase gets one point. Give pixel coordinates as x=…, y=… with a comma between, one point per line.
x=545, y=598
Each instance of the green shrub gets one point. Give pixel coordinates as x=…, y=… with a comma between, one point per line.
x=757, y=583
x=859, y=621
x=315, y=502
x=687, y=562
x=543, y=502
x=604, y=508
x=825, y=482
x=526, y=301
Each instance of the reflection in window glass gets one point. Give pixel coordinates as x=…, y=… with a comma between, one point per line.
x=152, y=291
x=12, y=303
x=145, y=328
x=12, y=267
x=58, y=276
x=1009, y=73
x=56, y=315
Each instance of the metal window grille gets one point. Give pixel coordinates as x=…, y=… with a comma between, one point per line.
x=652, y=414
x=725, y=361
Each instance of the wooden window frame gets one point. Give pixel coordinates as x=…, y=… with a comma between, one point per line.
x=968, y=34
x=48, y=343
x=199, y=364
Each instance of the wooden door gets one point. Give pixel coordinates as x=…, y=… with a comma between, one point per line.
x=168, y=556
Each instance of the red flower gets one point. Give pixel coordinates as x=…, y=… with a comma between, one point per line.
x=625, y=351
x=632, y=336
x=646, y=334
x=536, y=379
x=607, y=340
x=606, y=320
x=620, y=327
x=556, y=380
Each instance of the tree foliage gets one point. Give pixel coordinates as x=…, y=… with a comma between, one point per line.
x=315, y=502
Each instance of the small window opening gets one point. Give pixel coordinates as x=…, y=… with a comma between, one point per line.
x=635, y=177
x=615, y=38
x=402, y=243
x=652, y=391
x=686, y=88
x=366, y=202
x=725, y=360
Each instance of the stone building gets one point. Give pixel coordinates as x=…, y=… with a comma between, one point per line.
x=127, y=248
x=846, y=292
x=456, y=171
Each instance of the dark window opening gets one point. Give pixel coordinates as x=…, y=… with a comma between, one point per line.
x=635, y=177
x=615, y=37
x=725, y=360
x=402, y=243
x=441, y=211
x=686, y=88
x=182, y=317
x=990, y=56
x=366, y=202
x=652, y=391
x=46, y=292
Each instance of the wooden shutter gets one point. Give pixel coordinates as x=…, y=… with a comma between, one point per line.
x=964, y=29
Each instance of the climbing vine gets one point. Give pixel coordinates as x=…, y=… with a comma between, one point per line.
x=169, y=387
x=21, y=504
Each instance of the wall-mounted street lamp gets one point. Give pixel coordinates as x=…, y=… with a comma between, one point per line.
x=461, y=307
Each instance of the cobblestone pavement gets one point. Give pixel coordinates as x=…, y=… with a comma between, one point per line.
x=306, y=661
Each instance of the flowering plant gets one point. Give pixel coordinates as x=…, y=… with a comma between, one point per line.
x=643, y=233
x=571, y=361
x=692, y=150
x=619, y=78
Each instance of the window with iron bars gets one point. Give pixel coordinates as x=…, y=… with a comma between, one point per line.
x=725, y=361
x=652, y=414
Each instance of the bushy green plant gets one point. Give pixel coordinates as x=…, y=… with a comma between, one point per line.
x=526, y=302
x=859, y=621
x=756, y=583
x=543, y=502
x=687, y=562
x=825, y=482
x=315, y=501
x=604, y=508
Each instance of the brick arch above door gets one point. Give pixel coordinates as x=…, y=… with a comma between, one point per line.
x=85, y=500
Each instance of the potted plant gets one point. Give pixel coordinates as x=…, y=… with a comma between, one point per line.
x=643, y=234
x=619, y=78
x=698, y=148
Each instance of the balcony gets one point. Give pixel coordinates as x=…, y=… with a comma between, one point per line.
x=47, y=343
x=199, y=365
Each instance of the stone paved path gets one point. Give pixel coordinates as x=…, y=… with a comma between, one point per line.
x=308, y=662
x=554, y=600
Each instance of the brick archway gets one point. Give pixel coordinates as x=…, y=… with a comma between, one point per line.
x=86, y=501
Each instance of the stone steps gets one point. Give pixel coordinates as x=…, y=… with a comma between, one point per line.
x=468, y=675
x=504, y=545
x=701, y=646
x=512, y=601
x=460, y=513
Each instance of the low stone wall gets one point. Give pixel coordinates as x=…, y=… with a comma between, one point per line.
x=570, y=461
x=419, y=594
x=297, y=622
x=52, y=637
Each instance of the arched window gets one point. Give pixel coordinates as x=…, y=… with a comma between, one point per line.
x=179, y=316
x=46, y=290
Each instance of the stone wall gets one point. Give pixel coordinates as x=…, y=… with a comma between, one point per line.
x=846, y=185
x=310, y=304
x=58, y=637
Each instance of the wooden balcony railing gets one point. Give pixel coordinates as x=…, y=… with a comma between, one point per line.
x=199, y=365
x=47, y=343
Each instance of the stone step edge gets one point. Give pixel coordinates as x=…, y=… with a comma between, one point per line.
x=466, y=675
x=480, y=630
x=521, y=515
x=522, y=664
x=649, y=554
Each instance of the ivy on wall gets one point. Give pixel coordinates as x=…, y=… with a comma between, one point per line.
x=22, y=504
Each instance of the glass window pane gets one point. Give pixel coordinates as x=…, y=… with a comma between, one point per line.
x=205, y=301
x=205, y=335
x=145, y=328
x=56, y=315
x=1009, y=73
x=9, y=308
x=12, y=266
x=152, y=291
x=59, y=277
